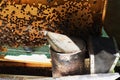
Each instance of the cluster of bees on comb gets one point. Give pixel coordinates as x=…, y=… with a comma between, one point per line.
x=23, y=22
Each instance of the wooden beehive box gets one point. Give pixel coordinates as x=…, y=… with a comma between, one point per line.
x=23, y=22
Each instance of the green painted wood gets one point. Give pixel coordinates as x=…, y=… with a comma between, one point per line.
x=20, y=51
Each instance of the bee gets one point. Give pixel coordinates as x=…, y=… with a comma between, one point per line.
x=23, y=22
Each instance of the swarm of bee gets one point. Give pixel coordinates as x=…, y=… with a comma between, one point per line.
x=23, y=23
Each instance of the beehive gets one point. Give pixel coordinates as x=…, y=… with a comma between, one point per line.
x=22, y=22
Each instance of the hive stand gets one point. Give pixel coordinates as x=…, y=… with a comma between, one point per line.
x=104, y=54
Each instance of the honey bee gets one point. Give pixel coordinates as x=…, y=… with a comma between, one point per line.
x=23, y=22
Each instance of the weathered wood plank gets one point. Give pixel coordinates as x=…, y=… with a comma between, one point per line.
x=107, y=76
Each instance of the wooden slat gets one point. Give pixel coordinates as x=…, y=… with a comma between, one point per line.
x=22, y=63
x=21, y=77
